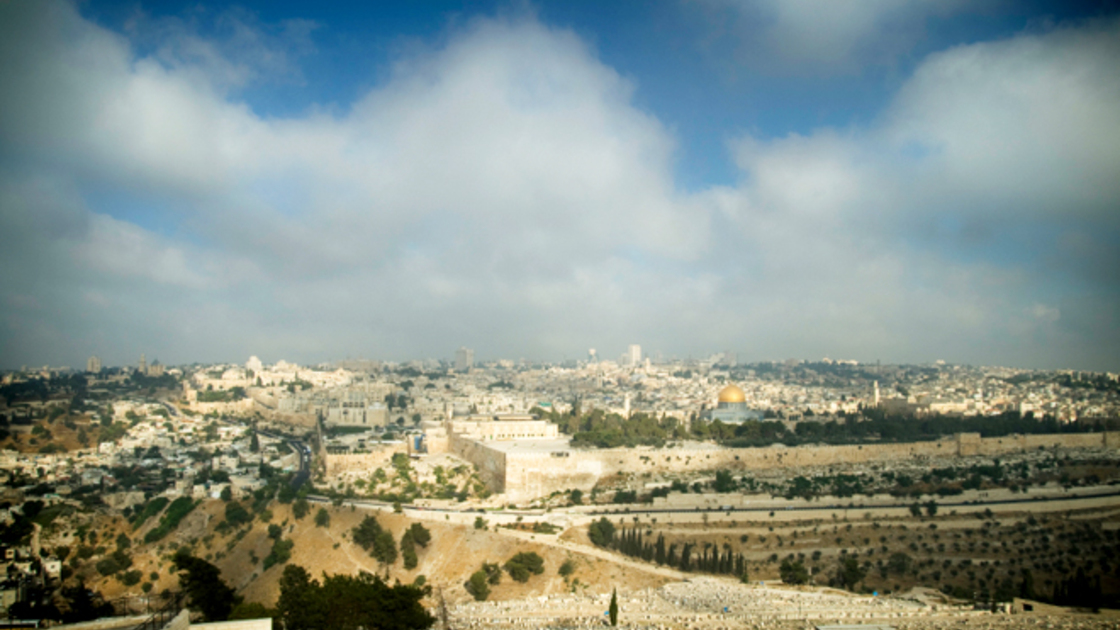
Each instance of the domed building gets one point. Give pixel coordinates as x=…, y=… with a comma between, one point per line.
x=731, y=407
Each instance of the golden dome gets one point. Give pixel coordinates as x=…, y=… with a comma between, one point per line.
x=732, y=394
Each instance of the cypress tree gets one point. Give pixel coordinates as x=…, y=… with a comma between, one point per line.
x=614, y=607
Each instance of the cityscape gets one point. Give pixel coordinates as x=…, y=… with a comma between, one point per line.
x=464, y=314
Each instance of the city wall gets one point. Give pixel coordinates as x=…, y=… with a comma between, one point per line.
x=490, y=462
x=363, y=462
x=526, y=475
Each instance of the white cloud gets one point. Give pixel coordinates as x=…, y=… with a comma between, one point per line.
x=501, y=190
x=823, y=36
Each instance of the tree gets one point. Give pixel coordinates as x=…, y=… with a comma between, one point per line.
x=365, y=534
x=577, y=497
x=850, y=573
x=601, y=532
x=203, y=583
x=793, y=572
x=899, y=563
x=227, y=494
x=236, y=514
x=408, y=550
x=349, y=602
x=255, y=443
x=384, y=548
x=567, y=569
x=300, y=508
x=322, y=518
x=420, y=534
x=931, y=508
x=614, y=607
x=477, y=586
x=275, y=531
x=915, y=509
x=523, y=564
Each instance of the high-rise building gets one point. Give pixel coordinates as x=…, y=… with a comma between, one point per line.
x=591, y=355
x=634, y=355
x=143, y=364
x=93, y=365
x=464, y=358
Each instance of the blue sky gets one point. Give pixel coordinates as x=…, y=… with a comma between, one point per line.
x=904, y=181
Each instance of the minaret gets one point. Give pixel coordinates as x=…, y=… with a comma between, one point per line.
x=876, y=393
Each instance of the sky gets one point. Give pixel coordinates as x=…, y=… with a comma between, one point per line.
x=904, y=181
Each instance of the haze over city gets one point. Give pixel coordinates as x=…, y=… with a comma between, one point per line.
x=898, y=181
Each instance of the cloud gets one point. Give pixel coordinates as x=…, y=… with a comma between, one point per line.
x=501, y=190
x=819, y=37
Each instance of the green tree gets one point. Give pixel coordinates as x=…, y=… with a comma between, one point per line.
x=899, y=563
x=523, y=564
x=931, y=508
x=793, y=572
x=420, y=534
x=408, y=550
x=300, y=508
x=601, y=532
x=237, y=515
x=322, y=518
x=349, y=602
x=384, y=548
x=850, y=573
x=202, y=582
x=477, y=586
x=614, y=607
x=567, y=569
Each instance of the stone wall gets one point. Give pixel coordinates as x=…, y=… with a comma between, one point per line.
x=363, y=462
x=526, y=475
x=490, y=462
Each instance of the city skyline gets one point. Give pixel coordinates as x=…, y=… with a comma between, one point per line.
x=903, y=182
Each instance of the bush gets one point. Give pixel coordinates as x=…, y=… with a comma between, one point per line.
x=107, y=566
x=281, y=553
x=420, y=534
x=477, y=586
x=601, y=532
x=567, y=569
x=237, y=515
x=793, y=572
x=132, y=578
x=523, y=564
x=151, y=508
x=175, y=513
x=365, y=534
x=408, y=550
x=300, y=508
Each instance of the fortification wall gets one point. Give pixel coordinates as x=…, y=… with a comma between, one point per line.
x=363, y=462
x=490, y=462
x=530, y=475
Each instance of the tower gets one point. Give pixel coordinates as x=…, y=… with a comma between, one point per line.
x=634, y=354
x=464, y=358
x=591, y=355
x=143, y=364
x=93, y=365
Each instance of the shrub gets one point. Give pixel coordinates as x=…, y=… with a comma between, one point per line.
x=523, y=564
x=477, y=586
x=567, y=569
x=601, y=532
